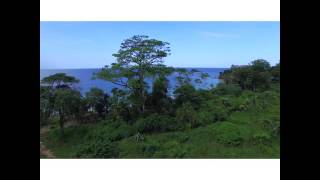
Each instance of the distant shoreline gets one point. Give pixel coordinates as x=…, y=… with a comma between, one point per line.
x=101, y=68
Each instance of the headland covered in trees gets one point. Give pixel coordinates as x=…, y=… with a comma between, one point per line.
x=239, y=118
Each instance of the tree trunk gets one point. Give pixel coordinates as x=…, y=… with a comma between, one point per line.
x=142, y=100
x=141, y=78
x=61, y=123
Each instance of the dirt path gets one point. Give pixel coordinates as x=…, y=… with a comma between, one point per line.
x=43, y=150
x=46, y=152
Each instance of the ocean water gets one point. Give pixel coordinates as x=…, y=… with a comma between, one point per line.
x=86, y=81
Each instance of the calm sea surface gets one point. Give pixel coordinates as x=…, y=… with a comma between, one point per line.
x=86, y=81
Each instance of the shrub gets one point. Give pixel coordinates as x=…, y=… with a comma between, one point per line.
x=109, y=131
x=240, y=103
x=97, y=101
x=71, y=134
x=261, y=138
x=186, y=93
x=183, y=138
x=186, y=116
x=272, y=125
x=172, y=149
x=264, y=99
x=206, y=117
x=98, y=148
x=179, y=137
x=121, y=132
x=114, y=131
x=150, y=148
x=220, y=114
x=177, y=152
x=227, y=89
x=155, y=123
x=218, y=111
x=243, y=107
x=229, y=134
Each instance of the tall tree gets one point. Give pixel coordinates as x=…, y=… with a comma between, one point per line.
x=59, y=80
x=119, y=106
x=67, y=105
x=185, y=90
x=185, y=76
x=97, y=100
x=46, y=104
x=63, y=99
x=159, y=99
x=255, y=75
x=138, y=58
x=261, y=76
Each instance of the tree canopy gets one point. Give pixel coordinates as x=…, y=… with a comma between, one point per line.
x=257, y=74
x=59, y=80
x=138, y=58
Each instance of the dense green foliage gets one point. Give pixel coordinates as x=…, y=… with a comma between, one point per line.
x=239, y=118
x=137, y=59
x=249, y=133
x=97, y=102
x=258, y=74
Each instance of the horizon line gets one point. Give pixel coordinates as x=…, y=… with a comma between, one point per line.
x=101, y=68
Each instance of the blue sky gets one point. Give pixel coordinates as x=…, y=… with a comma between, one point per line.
x=71, y=45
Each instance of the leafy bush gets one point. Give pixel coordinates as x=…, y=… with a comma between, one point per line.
x=71, y=133
x=186, y=116
x=240, y=103
x=179, y=137
x=227, y=89
x=206, y=117
x=261, y=138
x=187, y=93
x=172, y=150
x=121, y=132
x=98, y=148
x=243, y=107
x=150, y=148
x=231, y=103
x=254, y=76
x=212, y=111
x=272, y=124
x=220, y=114
x=177, y=152
x=155, y=123
x=97, y=101
x=228, y=133
x=183, y=138
x=114, y=131
x=264, y=99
